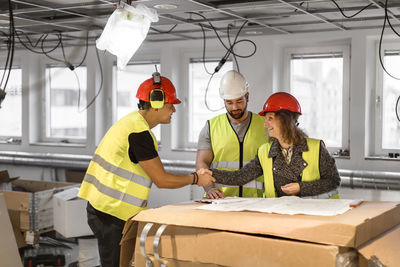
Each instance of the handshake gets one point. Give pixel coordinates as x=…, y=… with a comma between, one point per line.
x=205, y=177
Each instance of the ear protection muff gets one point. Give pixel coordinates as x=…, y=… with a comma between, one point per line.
x=157, y=95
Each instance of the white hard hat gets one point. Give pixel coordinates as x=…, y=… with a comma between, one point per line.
x=233, y=85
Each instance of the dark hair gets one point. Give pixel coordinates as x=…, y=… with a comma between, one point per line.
x=143, y=105
x=291, y=133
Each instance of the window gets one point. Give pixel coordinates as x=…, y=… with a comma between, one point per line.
x=11, y=108
x=198, y=81
x=127, y=82
x=65, y=109
x=319, y=80
x=387, y=125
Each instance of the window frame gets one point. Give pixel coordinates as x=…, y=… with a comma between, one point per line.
x=17, y=64
x=46, y=106
x=378, y=98
x=345, y=50
x=141, y=61
x=181, y=140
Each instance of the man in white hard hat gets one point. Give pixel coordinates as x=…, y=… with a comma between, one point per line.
x=230, y=140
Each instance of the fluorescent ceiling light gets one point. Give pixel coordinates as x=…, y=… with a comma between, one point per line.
x=165, y=6
x=253, y=32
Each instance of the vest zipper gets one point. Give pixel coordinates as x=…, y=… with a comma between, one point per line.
x=241, y=166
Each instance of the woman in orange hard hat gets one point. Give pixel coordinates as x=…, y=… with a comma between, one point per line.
x=292, y=163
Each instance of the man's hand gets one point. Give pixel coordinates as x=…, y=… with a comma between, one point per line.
x=205, y=178
x=215, y=193
x=203, y=171
x=291, y=189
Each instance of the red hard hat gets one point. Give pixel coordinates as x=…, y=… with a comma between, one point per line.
x=166, y=86
x=281, y=100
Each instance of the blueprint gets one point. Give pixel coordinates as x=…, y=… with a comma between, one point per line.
x=284, y=205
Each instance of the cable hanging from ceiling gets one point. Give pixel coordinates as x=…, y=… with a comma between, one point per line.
x=229, y=51
x=10, y=55
x=386, y=19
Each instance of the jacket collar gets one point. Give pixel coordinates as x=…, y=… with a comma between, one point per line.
x=276, y=148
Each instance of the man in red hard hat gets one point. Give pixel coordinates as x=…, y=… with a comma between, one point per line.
x=126, y=163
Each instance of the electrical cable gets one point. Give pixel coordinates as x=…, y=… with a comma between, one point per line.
x=380, y=43
x=380, y=54
x=355, y=14
x=10, y=53
x=397, y=109
x=34, y=46
x=205, y=96
x=170, y=30
x=230, y=44
x=101, y=82
x=229, y=51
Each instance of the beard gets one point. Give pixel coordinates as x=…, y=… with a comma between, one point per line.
x=237, y=115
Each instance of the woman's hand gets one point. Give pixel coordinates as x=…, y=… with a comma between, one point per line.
x=291, y=189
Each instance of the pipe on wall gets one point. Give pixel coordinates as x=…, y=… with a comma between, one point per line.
x=349, y=178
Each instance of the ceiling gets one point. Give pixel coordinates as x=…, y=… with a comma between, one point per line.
x=73, y=18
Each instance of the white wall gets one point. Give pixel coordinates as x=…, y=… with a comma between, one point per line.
x=264, y=72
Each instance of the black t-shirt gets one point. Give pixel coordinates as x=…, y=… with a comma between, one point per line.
x=141, y=147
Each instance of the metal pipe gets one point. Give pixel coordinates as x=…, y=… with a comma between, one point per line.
x=349, y=178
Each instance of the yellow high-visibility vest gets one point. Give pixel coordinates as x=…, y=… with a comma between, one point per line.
x=310, y=172
x=230, y=154
x=114, y=184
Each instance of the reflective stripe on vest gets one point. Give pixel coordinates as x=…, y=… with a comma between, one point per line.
x=227, y=150
x=252, y=184
x=227, y=165
x=121, y=172
x=310, y=172
x=113, y=184
x=115, y=193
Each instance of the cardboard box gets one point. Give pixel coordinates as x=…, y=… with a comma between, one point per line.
x=73, y=176
x=33, y=203
x=257, y=239
x=5, y=180
x=70, y=217
x=9, y=255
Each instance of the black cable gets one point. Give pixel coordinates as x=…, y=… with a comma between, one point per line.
x=397, y=109
x=380, y=44
x=47, y=53
x=229, y=51
x=10, y=50
x=380, y=54
x=355, y=14
x=223, y=44
x=101, y=83
x=170, y=30
x=205, y=96
x=87, y=47
x=40, y=39
x=204, y=50
x=230, y=45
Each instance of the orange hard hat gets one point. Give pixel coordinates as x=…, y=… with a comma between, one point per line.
x=281, y=100
x=165, y=85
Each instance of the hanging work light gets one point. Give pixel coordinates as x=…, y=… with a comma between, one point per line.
x=125, y=31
